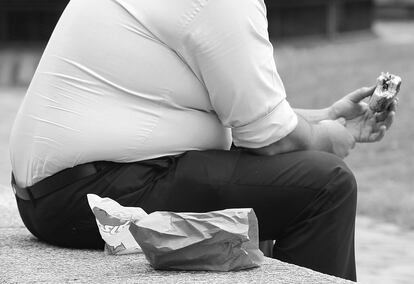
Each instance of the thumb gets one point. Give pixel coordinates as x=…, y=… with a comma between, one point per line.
x=341, y=121
x=360, y=94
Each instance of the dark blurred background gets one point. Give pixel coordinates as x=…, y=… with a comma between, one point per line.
x=31, y=21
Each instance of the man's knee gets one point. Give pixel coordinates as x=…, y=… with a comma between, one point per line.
x=336, y=177
x=342, y=185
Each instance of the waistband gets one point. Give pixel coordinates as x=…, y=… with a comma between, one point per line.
x=55, y=182
x=70, y=175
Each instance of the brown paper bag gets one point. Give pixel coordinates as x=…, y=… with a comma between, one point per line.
x=220, y=240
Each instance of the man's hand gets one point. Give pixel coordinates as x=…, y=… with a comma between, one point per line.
x=369, y=126
x=350, y=121
x=351, y=106
x=364, y=125
x=340, y=141
x=327, y=135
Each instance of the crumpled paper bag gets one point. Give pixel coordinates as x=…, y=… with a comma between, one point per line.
x=219, y=240
x=114, y=221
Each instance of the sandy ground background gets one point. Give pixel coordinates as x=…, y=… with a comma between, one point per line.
x=384, y=239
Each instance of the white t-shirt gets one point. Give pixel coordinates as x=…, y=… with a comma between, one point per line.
x=129, y=80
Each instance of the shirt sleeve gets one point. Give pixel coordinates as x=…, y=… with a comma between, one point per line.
x=226, y=45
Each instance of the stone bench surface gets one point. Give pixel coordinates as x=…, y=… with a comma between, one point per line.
x=23, y=259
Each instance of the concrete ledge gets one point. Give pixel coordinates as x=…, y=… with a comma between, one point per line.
x=24, y=259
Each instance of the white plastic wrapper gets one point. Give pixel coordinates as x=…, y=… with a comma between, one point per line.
x=222, y=240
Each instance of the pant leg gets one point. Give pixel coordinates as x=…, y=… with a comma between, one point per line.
x=295, y=196
x=321, y=237
x=304, y=200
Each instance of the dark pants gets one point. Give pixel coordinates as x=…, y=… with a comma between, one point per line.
x=306, y=201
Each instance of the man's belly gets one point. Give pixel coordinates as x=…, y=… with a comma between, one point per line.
x=44, y=145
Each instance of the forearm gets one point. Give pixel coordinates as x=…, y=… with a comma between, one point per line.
x=314, y=115
x=306, y=136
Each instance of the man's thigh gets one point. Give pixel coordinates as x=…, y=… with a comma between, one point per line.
x=278, y=187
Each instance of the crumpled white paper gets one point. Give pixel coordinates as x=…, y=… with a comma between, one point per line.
x=219, y=240
x=114, y=221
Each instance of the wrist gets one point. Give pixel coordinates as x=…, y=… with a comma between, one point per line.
x=331, y=113
x=321, y=140
x=315, y=115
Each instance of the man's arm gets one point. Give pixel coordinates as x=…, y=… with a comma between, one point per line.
x=315, y=115
x=234, y=60
x=328, y=135
x=348, y=107
x=317, y=130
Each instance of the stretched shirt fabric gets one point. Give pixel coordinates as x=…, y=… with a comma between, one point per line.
x=129, y=80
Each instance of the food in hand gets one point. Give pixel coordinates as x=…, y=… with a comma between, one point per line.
x=388, y=86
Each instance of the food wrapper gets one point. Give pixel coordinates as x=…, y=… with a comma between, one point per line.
x=388, y=86
x=222, y=240
x=114, y=221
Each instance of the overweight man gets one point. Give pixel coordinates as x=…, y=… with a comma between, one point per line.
x=141, y=101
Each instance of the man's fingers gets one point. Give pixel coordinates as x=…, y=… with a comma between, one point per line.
x=385, y=118
x=360, y=94
x=390, y=119
x=393, y=105
x=341, y=121
x=364, y=107
x=381, y=116
x=377, y=136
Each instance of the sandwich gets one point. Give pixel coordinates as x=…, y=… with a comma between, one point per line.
x=388, y=86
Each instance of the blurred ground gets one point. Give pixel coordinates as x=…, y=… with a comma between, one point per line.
x=316, y=73
x=384, y=252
